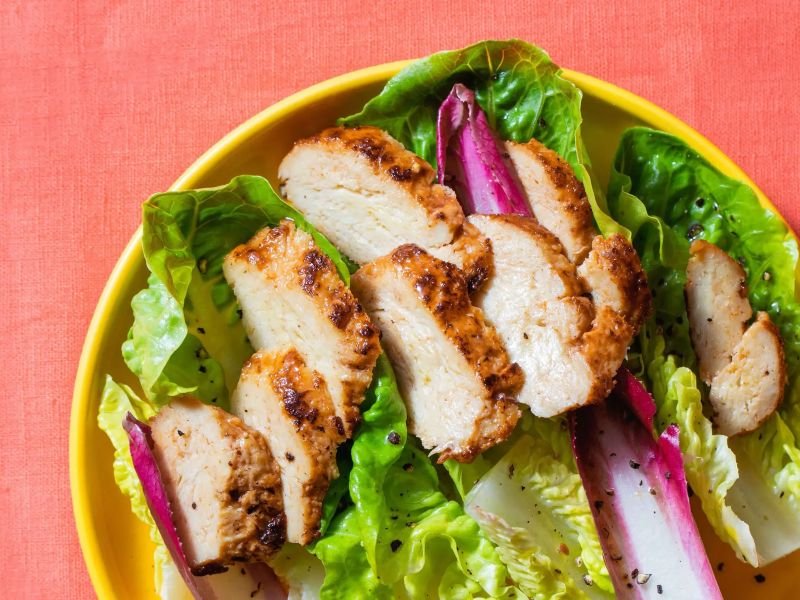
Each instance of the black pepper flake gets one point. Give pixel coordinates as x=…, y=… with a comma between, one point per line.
x=194, y=505
x=652, y=491
x=289, y=457
x=760, y=578
x=511, y=468
x=588, y=580
x=394, y=438
x=202, y=368
x=598, y=504
x=700, y=202
x=395, y=545
x=694, y=231
x=720, y=566
x=660, y=589
x=201, y=330
x=180, y=433
x=633, y=464
x=408, y=467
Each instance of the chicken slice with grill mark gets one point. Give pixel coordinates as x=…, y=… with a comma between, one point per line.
x=452, y=369
x=368, y=194
x=223, y=485
x=557, y=199
x=744, y=365
x=279, y=396
x=291, y=295
x=568, y=346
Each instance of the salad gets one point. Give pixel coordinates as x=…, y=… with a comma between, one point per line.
x=437, y=360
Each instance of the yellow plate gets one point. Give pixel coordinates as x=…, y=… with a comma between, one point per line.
x=115, y=545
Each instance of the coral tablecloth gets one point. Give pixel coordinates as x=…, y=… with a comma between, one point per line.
x=105, y=102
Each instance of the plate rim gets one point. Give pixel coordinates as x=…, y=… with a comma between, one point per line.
x=131, y=257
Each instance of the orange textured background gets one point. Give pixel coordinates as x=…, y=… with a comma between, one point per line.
x=105, y=102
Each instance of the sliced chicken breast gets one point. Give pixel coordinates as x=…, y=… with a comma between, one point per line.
x=716, y=288
x=291, y=295
x=223, y=485
x=568, y=343
x=750, y=388
x=557, y=198
x=744, y=365
x=471, y=252
x=452, y=369
x=287, y=402
x=368, y=194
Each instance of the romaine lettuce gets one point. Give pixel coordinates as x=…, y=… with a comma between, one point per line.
x=667, y=195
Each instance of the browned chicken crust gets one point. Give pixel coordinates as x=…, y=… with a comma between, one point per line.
x=478, y=377
x=368, y=194
x=444, y=290
x=566, y=211
x=308, y=458
x=569, y=333
x=243, y=492
x=283, y=264
x=471, y=251
x=390, y=158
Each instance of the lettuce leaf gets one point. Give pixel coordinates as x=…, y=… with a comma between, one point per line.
x=667, y=195
x=520, y=89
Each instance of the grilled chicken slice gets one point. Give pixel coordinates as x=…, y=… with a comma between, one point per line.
x=291, y=295
x=279, y=396
x=452, y=369
x=568, y=343
x=716, y=288
x=223, y=485
x=557, y=198
x=744, y=366
x=471, y=252
x=368, y=194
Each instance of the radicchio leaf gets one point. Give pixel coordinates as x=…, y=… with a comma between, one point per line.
x=470, y=160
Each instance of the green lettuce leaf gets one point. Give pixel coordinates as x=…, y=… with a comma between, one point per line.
x=517, y=85
x=667, y=195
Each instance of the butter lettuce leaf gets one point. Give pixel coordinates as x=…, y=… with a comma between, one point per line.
x=667, y=195
x=520, y=89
